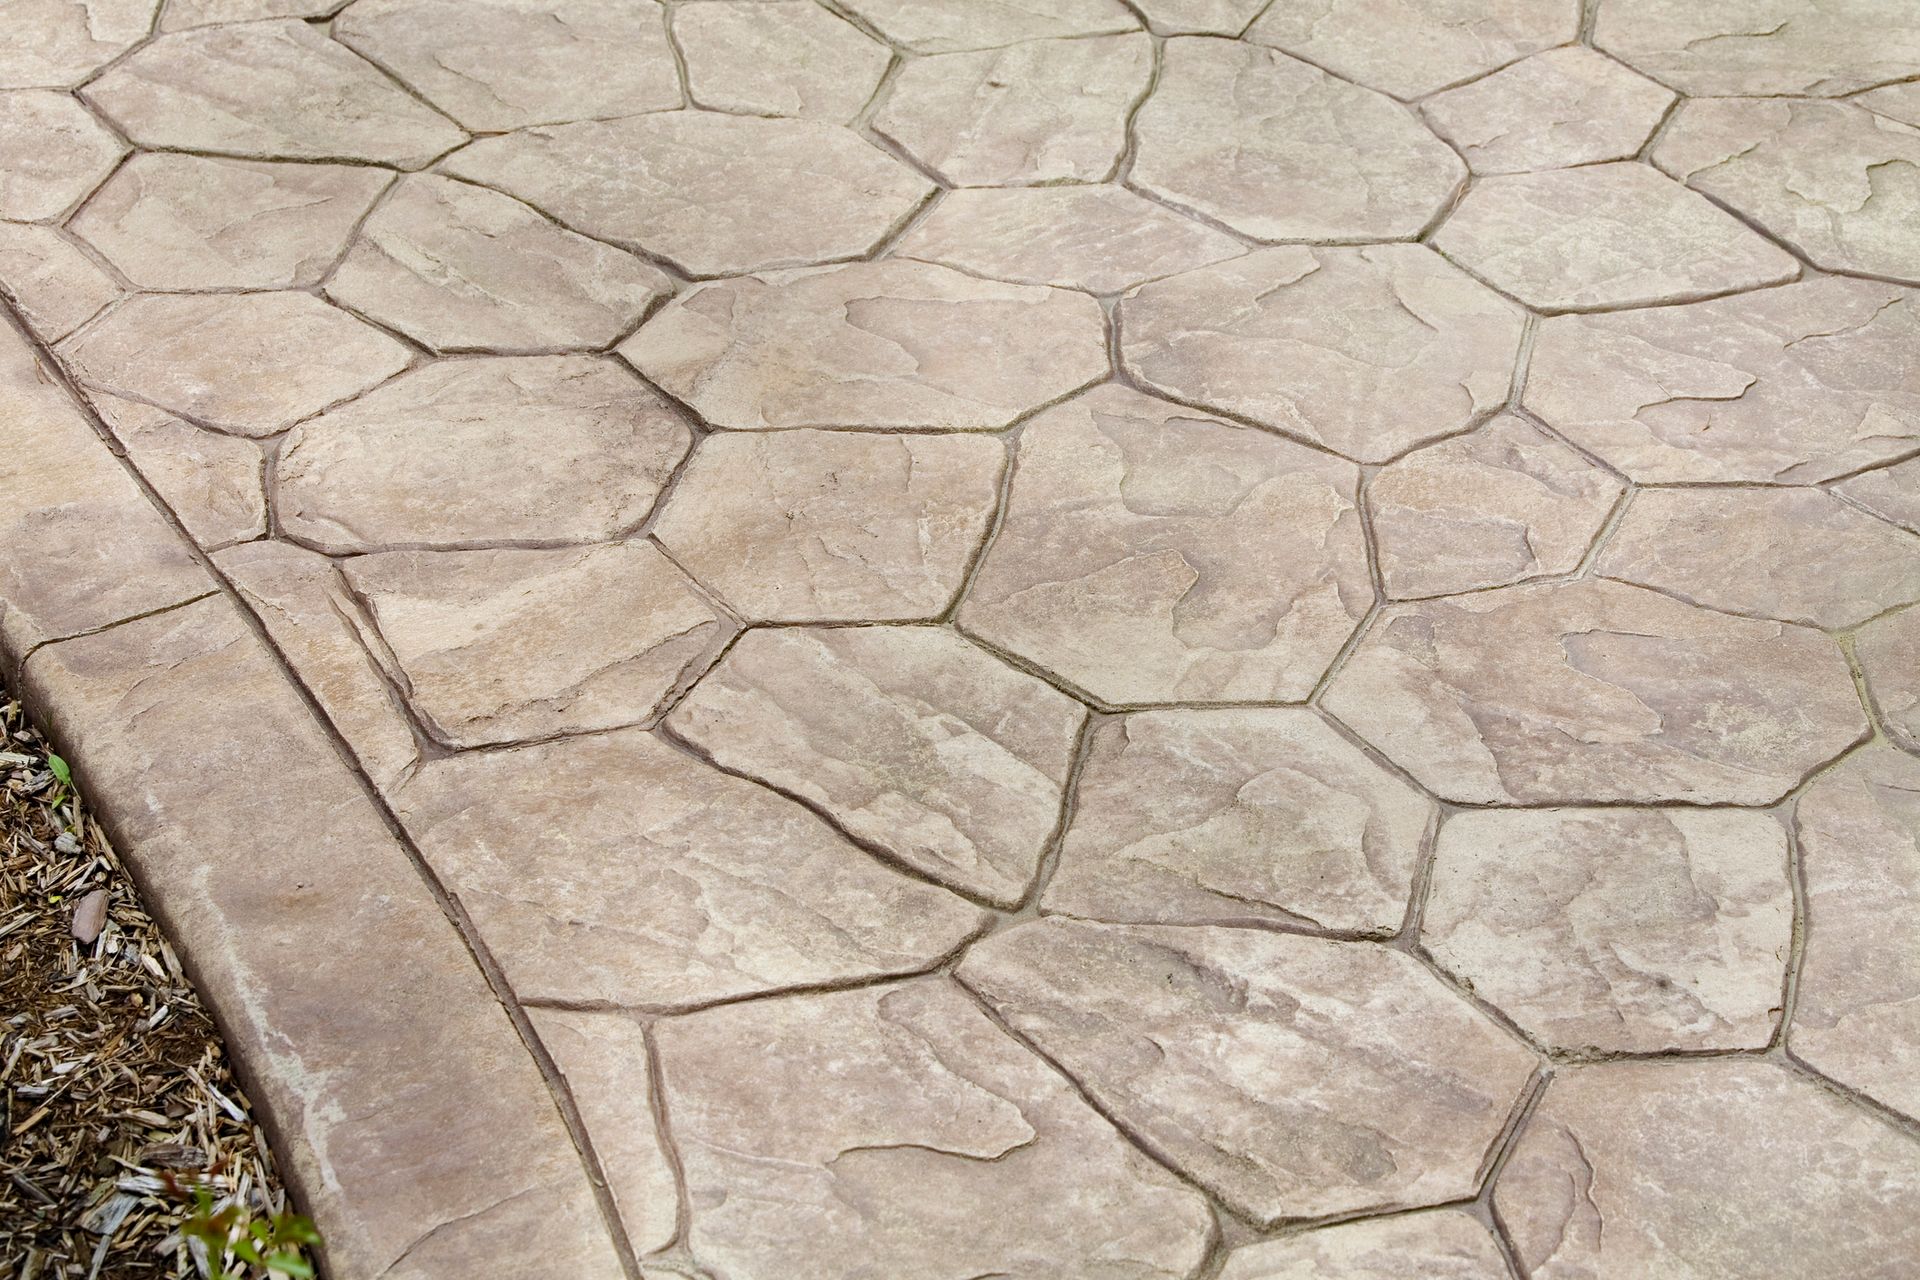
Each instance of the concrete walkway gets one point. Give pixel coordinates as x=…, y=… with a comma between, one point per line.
x=933, y=639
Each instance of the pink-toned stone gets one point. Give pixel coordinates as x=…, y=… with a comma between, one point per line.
x=1889, y=653
x=211, y=481
x=1445, y=1244
x=1892, y=493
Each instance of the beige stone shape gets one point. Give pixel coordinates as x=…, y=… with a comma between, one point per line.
x=1279, y=150
x=1605, y=236
x=57, y=43
x=506, y=646
x=1596, y=692
x=616, y=868
x=826, y=526
x=1235, y=816
x=1566, y=106
x=1153, y=554
x=699, y=189
x=55, y=285
x=1040, y=111
x=1762, y=47
x=910, y=739
x=1714, y=1170
x=1444, y=1244
x=1200, y=17
x=1892, y=493
x=240, y=362
x=782, y=59
x=181, y=14
x=201, y=222
x=495, y=65
x=1839, y=184
x=269, y=90
x=1412, y=47
x=461, y=268
x=1899, y=102
x=212, y=482
x=1889, y=653
x=1366, y=351
x=1787, y=386
x=1617, y=930
x=1292, y=1077
x=939, y=26
x=52, y=153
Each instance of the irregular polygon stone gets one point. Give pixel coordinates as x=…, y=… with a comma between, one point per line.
x=56, y=287
x=1889, y=653
x=819, y=526
x=1200, y=17
x=1607, y=235
x=495, y=65
x=1046, y=110
x=198, y=222
x=1098, y=238
x=1563, y=107
x=909, y=738
x=700, y=189
x=1839, y=184
x=1716, y=1170
x=1493, y=507
x=1231, y=816
x=792, y=58
x=459, y=267
x=275, y=90
x=1594, y=691
x=1444, y=1244
x=1293, y=1077
x=1367, y=351
x=1152, y=554
x=1762, y=47
x=875, y=344
x=1799, y=555
x=241, y=362
x=52, y=152
x=938, y=26
x=1412, y=47
x=1894, y=101
x=1787, y=386
x=1280, y=150
x=1892, y=493
x=211, y=481
x=181, y=14
x=499, y=646
x=56, y=43
x=613, y=867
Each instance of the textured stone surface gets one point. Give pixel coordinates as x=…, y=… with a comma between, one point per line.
x=181, y=14
x=1786, y=386
x=1762, y=47
x=1046, y=110
x=937, y=26
x=1596, y=691
x=780, y=59
x=909, y=738
x=815, y=526
x=1413, y=47
x=211, y=481
x=1443, y=1245
x=1604, y=236
x=1293, y=1077
x=56, y=43
x=615, y=868
x=1280, y=150
x=1229, y=816
x=1200, y=17
x=911, y=1137
x=695, y=187
x=1894, y=101
x=1367, y=351
x=1152, y=554
x=1563, y=107
x=1889, y=654
x=52, y=152
x=57, y=287
x=870, y=345
x=1892, y=493
x=1716, y=1170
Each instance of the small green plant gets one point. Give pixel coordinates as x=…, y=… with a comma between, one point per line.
x=62, y=778
x=230, y=1234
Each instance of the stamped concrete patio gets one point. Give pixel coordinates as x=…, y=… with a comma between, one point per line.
x=939, y=639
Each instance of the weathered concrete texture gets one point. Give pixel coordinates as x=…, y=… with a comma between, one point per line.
x=1889, y=654
x=57, y=43
x=784, y=59
x=212, y=482
x=1445, y=1244
x=55, y=285
x=1892, y=493
x=1412, y=47
x=936, y=26
x=52, y=153
x=1762, y=47
x=1563, y=107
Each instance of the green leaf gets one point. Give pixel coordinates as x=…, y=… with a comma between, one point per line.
x=291, y=1264
x=61, y=774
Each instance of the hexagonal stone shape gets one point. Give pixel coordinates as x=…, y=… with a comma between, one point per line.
x=1889, y=654
x=910, y=739
x=826, y=526
x=1603, y=236
x=896, y=1131
x=465, y=452
x=888, y=344
x=1787, y=386
x=495, y=65
x=1892, y=493
x=699, y=189
x=1592, y=692
x=1280, y=150
x=274, y=90
x=56, y=43
x=56, y=287
x=1762, y=47
x=458, y=267
x=200, y=222
x=1563, y=107
x=1442, y=1244
x=937, y=26
x=616, y=868
x=1293, y=1077
x=1367, y=351
x=1045, y=110
x=1231, y=816
x=777, y=59
x=249, y=363
x=1798, y=555
x=1151, y=554
x=1496, y=506
x=1409, y=48
x=52, y=152
x=1617, y=930
x=1720, y=1170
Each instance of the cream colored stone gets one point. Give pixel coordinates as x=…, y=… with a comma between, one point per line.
x=1366, y=351
x=56, y=287
x=1200, y=17
x=1594, y=691
x=939, y=26
x=1231, y=816
x=181, y=14
x=1563, y=107
x=781, y=59
x=211, y=481
x=1279, y=150
x=1889, y=653
x=818, y=526
x=1762, y=47
x=1892, y=493
x=52, y=152
x=912, y=740
x=57, y=43
x=1899, y=102
x=1445, y=1244
x=1412, y=47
